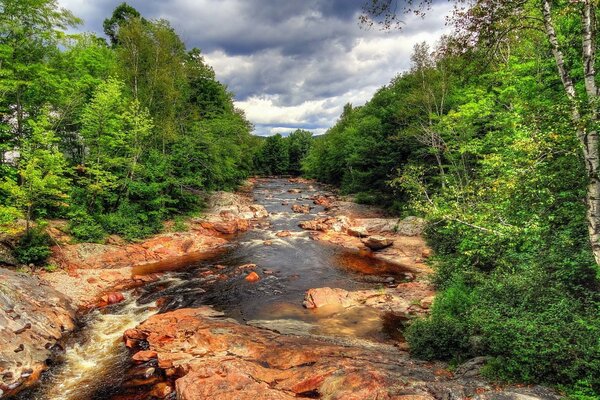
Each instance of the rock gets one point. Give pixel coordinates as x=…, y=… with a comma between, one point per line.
x=6, y=255
x=33, y=318
x=322, y=201
x=247, y=266
x=295, y=191
x=209, y=357
x=378, y=225
x=320, y=297
x=283, y=234
x=301, y=208
x=315, y=225
x=144, y=355
x=231, y=227
x=163, y=247
x=259, y=211
x=377, y=242
x=113, y=298
x=411, y=226
x=268, y=243
x=471, y=368
x=427, y=302
x=358, y=231
x=252, y=277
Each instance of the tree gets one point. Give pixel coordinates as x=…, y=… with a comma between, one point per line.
x=41, y=170
x=30, y=34
x=299, y=144
x=492, y=23
x=120, y=16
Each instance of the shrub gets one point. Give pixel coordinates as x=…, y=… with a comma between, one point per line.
x=85, y=228
x=34, y=246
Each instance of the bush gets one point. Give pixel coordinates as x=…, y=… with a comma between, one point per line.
x=34, y=247
x=534, y=328
x=446, y=333
x=84, y=227
x=132, y=222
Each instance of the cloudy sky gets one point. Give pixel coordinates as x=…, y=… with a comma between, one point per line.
x=291, y=63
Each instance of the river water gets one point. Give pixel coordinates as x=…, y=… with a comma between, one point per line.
x=95, y=362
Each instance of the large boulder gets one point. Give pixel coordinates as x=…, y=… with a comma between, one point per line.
x=33, y=318
x=6, y=255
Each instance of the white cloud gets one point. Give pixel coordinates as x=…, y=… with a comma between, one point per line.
x=290, y=63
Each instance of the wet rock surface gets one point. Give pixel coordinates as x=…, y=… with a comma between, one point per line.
x=210, y=357
x=33, y=319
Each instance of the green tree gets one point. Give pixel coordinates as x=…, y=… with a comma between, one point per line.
x=120, y=16
x=299, y=143
x=42, y=178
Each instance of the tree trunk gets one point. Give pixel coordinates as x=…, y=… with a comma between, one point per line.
x=588, y=138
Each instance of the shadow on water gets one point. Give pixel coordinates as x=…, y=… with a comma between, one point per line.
x=94, y=363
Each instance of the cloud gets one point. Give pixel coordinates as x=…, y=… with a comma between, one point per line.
x=291, y=64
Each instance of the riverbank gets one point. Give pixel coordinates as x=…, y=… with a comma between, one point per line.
x=39, y=310
x=297, y=312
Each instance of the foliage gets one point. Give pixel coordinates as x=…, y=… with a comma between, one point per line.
x=278, y=155
x=484, y=147
x=34, y=246
x=116, y=138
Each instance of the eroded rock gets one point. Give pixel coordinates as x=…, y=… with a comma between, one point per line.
x=33, y=318
x=209, y=357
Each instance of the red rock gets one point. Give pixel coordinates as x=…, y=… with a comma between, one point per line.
x=113, y=298
x=282, y=234
x=252, y=277
x=145, y=355
x=213, y=358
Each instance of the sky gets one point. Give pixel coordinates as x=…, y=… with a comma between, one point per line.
x=290, y=63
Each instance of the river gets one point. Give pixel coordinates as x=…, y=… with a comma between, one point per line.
x=95, y=363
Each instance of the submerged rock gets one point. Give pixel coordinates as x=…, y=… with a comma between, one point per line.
x=33, y=318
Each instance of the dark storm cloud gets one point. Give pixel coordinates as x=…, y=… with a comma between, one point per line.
x=290, y=63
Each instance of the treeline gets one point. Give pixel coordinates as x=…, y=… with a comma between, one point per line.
x=278, y=155
x=483, y=145
x=116, y=137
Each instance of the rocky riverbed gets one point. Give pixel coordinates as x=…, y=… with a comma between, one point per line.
x=284, y=291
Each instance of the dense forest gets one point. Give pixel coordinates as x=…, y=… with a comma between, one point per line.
x=481, y=141
x=115, y=137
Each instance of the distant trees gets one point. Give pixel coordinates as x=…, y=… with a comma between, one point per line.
x=278, y=155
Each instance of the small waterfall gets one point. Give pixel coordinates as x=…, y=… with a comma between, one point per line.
x=97, y=357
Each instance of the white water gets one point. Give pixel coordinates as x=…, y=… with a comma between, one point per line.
x=92, y=361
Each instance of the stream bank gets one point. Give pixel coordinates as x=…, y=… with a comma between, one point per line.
x=294, y=304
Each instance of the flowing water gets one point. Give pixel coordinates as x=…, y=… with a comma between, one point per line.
x=94, y=364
